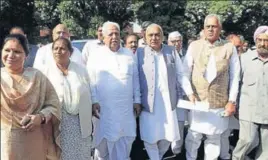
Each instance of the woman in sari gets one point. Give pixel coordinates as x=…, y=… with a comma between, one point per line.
x=71, y=83
x=30, y=115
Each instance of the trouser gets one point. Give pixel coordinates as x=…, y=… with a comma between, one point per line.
x=119, y=150
x=176, y=146
x=212, y=145
x=157, y=150
x=225, y=145
x=251, y=135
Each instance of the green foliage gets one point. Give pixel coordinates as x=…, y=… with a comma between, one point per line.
x=83, y=16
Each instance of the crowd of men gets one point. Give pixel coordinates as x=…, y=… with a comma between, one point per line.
x=146, y=79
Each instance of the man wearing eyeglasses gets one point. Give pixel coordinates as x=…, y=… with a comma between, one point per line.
x=175, y=39
x=253, y=108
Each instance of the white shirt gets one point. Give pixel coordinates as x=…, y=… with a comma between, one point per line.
x=115, y=86
x=162, y=123
x=141, y=43
x=44, y=57
x=211, y=122
x=89, y=47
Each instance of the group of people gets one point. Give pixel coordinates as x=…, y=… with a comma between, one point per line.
x=109, y=96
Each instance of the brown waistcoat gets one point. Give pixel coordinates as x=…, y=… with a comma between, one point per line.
x=216, y=92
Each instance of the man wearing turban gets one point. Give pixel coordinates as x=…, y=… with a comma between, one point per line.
x=253, y=111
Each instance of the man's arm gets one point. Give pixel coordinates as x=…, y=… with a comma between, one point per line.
x=39, y=58
x=234, y=72
x=91, y=68
x=136, y=81
x=85, y=52
x=183, y=77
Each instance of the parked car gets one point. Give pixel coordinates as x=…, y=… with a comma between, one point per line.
x=80, y=43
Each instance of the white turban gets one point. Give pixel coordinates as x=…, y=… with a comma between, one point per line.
x=174, y=34
x=260, y=30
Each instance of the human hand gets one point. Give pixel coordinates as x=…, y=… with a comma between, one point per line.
x=96, y=110
x=230, y=109
x=192, y=98
x=137, y=109
x=30, y=122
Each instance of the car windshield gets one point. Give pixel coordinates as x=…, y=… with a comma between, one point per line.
x=79, y=45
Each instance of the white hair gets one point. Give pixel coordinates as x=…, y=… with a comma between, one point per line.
x=107, y=24
x=215, y=16
x=155, y=25
x=174, y=34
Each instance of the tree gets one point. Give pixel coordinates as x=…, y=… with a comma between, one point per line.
x=16, y=13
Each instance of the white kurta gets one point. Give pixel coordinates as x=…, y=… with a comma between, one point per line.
x=115, y=86
x=44, y=57
x=89, y=48
x=162, y=124
x=211, y=122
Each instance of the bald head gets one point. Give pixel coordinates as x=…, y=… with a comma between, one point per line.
x=154, y=36
x=60, y=31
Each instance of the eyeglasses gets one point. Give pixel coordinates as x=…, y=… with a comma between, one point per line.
x=176, y=41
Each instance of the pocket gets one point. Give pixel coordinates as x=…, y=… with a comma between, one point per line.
x=250, y=80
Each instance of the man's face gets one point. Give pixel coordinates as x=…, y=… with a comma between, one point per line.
x=99, y=33
x=132, y=43
x=154, y=37
x=176, y=41
x=245, y=47
x=60, y=31
x=262, y=44
x=112, y=38
x=212, y=29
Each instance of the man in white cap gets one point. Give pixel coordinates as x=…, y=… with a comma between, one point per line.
x=253, y=111
x=175, y=39
x=44, y=56
x=142, y=41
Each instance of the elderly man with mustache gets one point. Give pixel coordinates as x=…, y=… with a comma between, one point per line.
x=115, y=96
x=213, y=66
x=253, y=111
x=160, y=72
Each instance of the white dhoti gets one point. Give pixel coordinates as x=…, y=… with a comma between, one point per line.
x=209, y=125
x=212, y=145
x=182, y=115
x=119, y=150
x=157, y=150
x=176, y=146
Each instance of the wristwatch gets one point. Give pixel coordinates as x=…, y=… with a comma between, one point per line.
x=233, y=102
x=43, y=118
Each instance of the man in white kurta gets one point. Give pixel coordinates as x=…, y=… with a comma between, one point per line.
x=115, y=88
x=44, y=56
x=91, y=45
x=213, y=123
x=159, y=124
x=175, y=39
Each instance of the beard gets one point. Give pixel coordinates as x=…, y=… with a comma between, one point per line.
x=262, y=50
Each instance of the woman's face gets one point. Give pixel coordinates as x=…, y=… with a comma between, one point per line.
x=13, y=55
x=61, y=52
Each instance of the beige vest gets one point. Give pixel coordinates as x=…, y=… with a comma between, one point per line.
x=215, y=92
